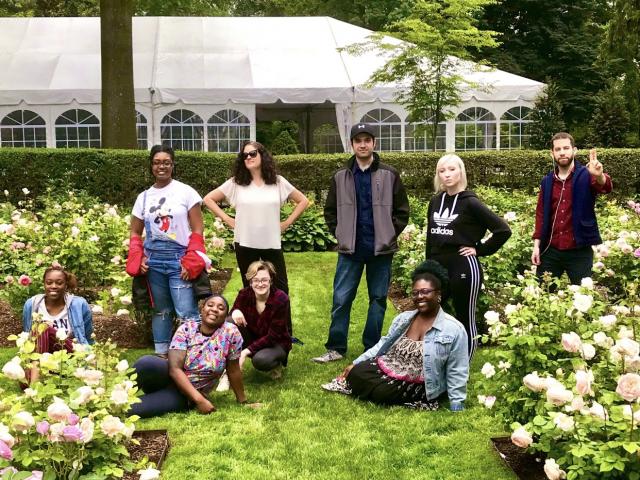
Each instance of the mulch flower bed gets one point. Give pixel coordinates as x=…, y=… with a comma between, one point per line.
x=154, y=444
x=525, y=465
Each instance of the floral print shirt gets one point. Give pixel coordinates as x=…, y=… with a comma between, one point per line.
x=207, y=356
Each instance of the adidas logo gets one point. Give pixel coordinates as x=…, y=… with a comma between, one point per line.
x=442, y=231
x=444, y=219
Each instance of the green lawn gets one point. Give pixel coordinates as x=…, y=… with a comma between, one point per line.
x=303, y=432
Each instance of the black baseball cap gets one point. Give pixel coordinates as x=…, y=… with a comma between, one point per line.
x=359, y=128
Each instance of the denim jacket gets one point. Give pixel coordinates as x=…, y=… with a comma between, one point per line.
x=446, y=358
x=80, y=317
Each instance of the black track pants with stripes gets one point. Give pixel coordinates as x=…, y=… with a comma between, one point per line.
x=465, y=280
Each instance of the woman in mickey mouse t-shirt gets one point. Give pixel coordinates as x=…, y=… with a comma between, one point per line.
x=173, y=251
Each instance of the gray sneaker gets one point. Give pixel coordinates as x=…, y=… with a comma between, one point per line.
x=329, y=356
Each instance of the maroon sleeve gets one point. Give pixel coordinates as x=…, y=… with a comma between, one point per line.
x=601, y=189
x=277, y=330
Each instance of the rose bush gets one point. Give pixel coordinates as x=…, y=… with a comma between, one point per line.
x=71, y=423
x=572, y=385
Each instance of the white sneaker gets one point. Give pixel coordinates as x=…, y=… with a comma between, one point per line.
x=223, y=384
x=329, y=356
x=276, y=373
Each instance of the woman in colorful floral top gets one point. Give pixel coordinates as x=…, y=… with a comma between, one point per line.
x=423, y=357
x=198, y=355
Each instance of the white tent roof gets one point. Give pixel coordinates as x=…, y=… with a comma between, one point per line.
x=208, y=60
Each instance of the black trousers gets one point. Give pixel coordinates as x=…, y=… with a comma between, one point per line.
x=577, y=262
x=465, y=281
x=266, y=359
x=245, y=256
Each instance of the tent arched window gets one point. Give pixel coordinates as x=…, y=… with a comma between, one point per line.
x=476, y=129
x=23, y=128
x=388, y=126
x=182, y=130
x=77, y=129
x=423, y=142
x=227, y=130
x=513, y=124
x=326, y=139
x=141, y=131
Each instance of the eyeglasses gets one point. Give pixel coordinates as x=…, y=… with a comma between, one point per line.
x=164, y=163
x=252, y=154
x=423, y=291
x=258, y=281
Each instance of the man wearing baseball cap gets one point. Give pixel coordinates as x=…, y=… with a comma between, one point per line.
x=366, y=209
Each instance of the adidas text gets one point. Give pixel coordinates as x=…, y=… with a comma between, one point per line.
x=442, y=231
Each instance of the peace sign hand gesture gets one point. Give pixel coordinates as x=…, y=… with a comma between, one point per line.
x=595, y=167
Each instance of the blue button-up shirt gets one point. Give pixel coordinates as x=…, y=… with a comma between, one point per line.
x=365, y=237
x=446, y=357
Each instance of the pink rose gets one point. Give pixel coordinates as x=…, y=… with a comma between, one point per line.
x=553, y=471
x=629, y=386
x=583, y=382
x=571, y=342
x=73, y=419
x=24, y=280
x=42, y=427
x=5, y=451
x=636, y=253
x=72, y=433
x=558, y=395
x=521, y=438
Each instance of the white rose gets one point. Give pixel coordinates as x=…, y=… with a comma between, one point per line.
x=5, y=436
x=533, y=382
x=122, y=312
x=25, y=191
x=509, y=309
x=94, y=238
x=521, y=438
x=510, y=216
x=564, y=422
x=30, y=392
x=584, y=379
x=125, y=300
x=504, y=365
x=488, y=370
x=23, y=421
x=13, y=370
x=61, y=334
x=97, y=309
x=116, y=260
x=122, y=366
x=149, y=474
x=602, y=340
x=571, y=342
x=111, y=426
x=577, y=405
x=582, y=303
x=84, y=394
x=598, y=411
x=627, y=347
x=625, y=332
x=58, y=410
x=621, y=310
x=608, y=321
x=588, y=351
x=558, y=395
x=75, y=231
x=492, y=317
x=115, y=291
x=87, y=426
x=629, y=386
x=119, y=396
x=553, y=471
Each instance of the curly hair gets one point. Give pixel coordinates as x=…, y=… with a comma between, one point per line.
x=433, y=272
x=214, y=295
x=69, y=278
x=162, y=149
x=241, y=174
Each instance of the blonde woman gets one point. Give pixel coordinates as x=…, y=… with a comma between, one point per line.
x=457, y=223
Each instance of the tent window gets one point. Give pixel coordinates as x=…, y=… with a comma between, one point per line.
x=77, y=129
x=141, y=131
x=227, y=130
x=513, y=128
x=476, y=130
x=23, y=128
x=389, y=128
x=182, y=130
x=326, y=139
x=421, y=142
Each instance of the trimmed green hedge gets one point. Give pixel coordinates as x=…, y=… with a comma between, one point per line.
x=117, y=176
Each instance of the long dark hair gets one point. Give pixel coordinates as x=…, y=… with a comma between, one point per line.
x=164, y=149
x=241, y=174
x=433, y=272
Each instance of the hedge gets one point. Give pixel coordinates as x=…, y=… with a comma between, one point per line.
x=117, y=176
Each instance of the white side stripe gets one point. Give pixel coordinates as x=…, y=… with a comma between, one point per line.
x=474, y=268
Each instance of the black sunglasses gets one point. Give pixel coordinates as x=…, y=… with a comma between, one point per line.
x=252, y=154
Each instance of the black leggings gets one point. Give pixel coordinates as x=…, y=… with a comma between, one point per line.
x=245, y=256
x=465, y=281
x=267, y=358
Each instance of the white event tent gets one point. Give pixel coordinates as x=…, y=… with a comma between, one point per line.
x=202, y=83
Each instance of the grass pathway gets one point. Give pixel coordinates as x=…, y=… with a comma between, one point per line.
x=303, y=432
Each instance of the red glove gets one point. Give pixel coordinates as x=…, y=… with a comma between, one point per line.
x=192, y=262
x=136, y=253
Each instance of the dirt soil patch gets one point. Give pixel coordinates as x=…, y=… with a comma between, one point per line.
x=525, y=465
x=399, y=298
x=125, y=331
x=154, y=444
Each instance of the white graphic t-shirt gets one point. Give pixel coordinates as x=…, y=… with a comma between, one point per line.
x=58, y=321
x=167, y=211
x=257, y=211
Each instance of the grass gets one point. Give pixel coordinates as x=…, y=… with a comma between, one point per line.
x=303, y=432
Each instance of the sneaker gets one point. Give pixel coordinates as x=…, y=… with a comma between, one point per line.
x=276, y=373
x=223, y=384
x=338, y=385
x=329, y=356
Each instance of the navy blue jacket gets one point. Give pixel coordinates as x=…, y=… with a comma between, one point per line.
x=583, y=200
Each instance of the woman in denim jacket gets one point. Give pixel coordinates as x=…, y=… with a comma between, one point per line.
x=423, y=357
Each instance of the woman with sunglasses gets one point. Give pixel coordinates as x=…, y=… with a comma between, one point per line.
x=172, y=255
x=422, y=359
x=263, y=315
x=257, y=193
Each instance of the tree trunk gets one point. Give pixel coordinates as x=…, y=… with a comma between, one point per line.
x=118, y=103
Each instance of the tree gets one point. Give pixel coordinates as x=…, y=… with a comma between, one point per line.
x=438, y=36
x=118, y=103
x=609, y=123
x=547, y=117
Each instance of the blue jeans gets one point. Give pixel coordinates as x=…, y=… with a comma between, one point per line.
x=172, y=296
x=345, y=287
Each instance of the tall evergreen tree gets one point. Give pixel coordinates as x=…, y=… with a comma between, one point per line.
x=546, y=117
x=609, y=123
